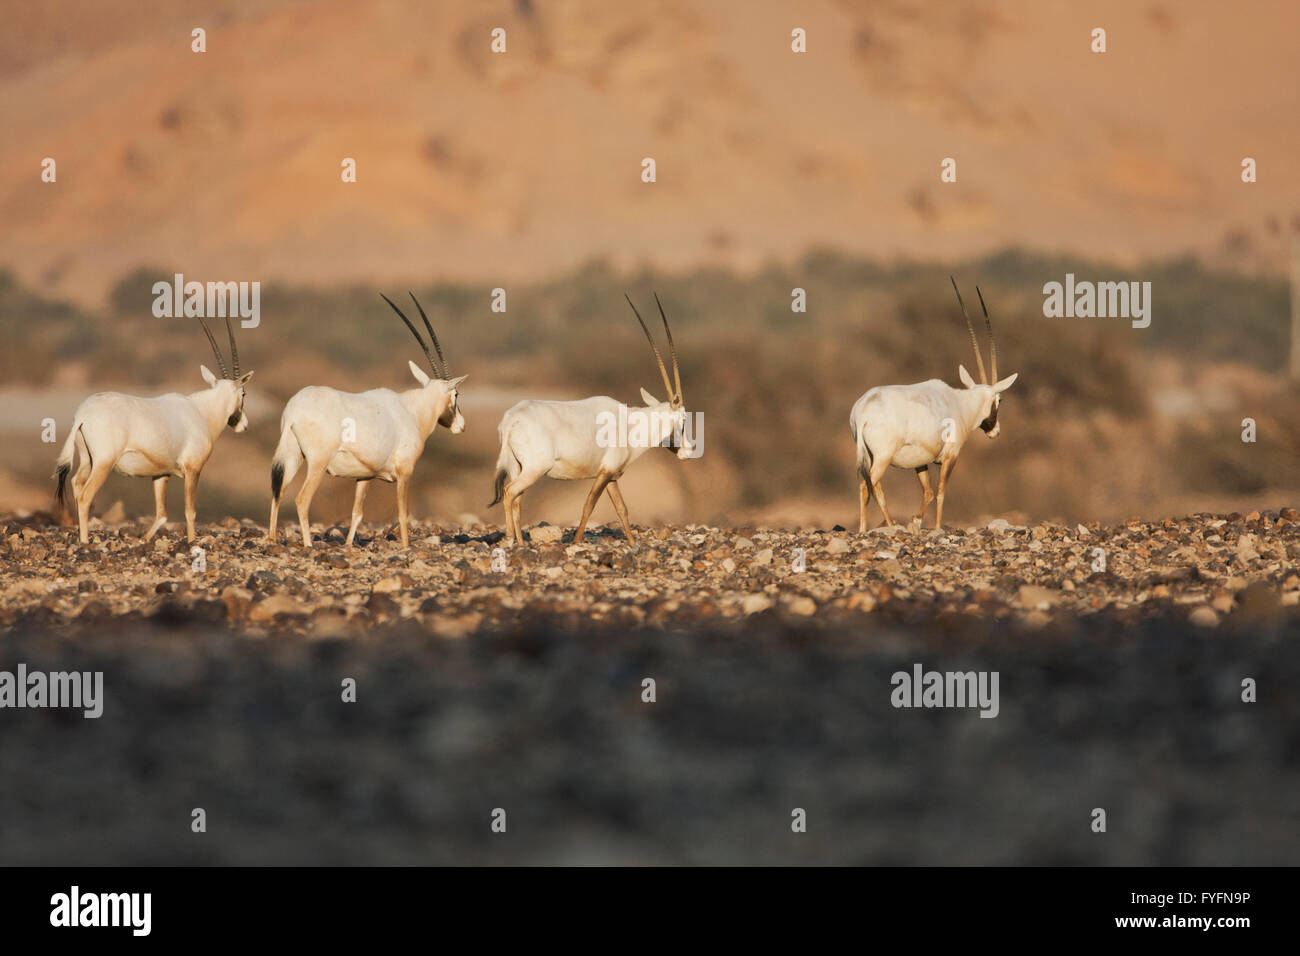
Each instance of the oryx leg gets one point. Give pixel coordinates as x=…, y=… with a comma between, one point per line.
x=89, y=488
x=275, y=516
x=518, y=517
x=616, y=497
x=510, y=520
x=878, y=469
x=159, y=504
x=357, y=502
x=403, y=492
x=511, y=495
x=593, y=496
x=943, y=484
x=191, y=483
x=927, y=493
x=315, y=472
x=864, y=499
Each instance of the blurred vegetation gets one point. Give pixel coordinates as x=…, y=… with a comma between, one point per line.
x=776, y=385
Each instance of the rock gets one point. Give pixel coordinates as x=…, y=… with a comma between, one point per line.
x=1291, y=591
x=999, y=524
x=861, y=601
x=837, y=546
x=545, y=534
x=744, y=544
x=238, y=601
x=801, y=605
x=445, y=625
x=763, y=557
x=728, y=565
x=1036, y=598
x=756, y=603
x=275, y=605
x=1204, y=616
x=329, y=623
x=382, y=606
x=394, y=584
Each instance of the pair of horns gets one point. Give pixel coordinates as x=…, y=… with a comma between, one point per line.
x=675, y=386
x=439, y=367
x=993, y=345
x=234, y=352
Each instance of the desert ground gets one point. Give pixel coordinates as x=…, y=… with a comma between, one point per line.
x=494, y=677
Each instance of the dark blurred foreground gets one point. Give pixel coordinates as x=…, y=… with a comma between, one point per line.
x=751, y=722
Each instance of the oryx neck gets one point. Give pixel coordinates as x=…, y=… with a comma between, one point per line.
x=208, y=402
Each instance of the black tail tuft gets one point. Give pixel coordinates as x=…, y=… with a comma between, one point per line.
x=865, y=463
x=499, y=488
x=60, y=492
x=277, y=479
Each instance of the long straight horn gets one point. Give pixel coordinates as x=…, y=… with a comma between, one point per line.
x=215, y=351
x=979, y=359
x=654, y=348
x=432, y=364
x=993, y=345
x=677, y=377
x=432, y=335
x=234, y=352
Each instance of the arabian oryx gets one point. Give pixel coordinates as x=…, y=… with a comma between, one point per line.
x=580, y=439
x=375, y=434
x=912, y=426
x=158, y=438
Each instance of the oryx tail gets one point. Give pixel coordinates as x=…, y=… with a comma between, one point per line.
x=865, y=457
x=284, y=463
x=508, y=467
x=64, y=467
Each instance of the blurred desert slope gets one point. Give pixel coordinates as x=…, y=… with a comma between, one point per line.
x=473, y=165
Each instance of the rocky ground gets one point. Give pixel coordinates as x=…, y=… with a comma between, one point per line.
x=496, y=677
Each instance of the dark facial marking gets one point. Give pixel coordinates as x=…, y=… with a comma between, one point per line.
x=449, y=416
x=988, y=423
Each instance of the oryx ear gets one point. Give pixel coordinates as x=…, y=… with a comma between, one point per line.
x=243, y=379
x=1006, y=383
x=457, y=380
x=207, y=375
x=965, y=376
x=419, y=373
x=648, y=398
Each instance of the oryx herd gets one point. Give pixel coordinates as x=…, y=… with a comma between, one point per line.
x=381, y=434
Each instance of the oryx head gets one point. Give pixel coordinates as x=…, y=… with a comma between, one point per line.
x=230, y=387
x=670, y=416
x=441, y=387
x=990, y=391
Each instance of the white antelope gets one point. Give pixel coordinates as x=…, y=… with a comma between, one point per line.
x=914, y=426
x=158, y=438
x=595, y=438
x=375, y=434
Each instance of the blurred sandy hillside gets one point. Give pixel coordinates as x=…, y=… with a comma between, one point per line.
x=486, y=167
